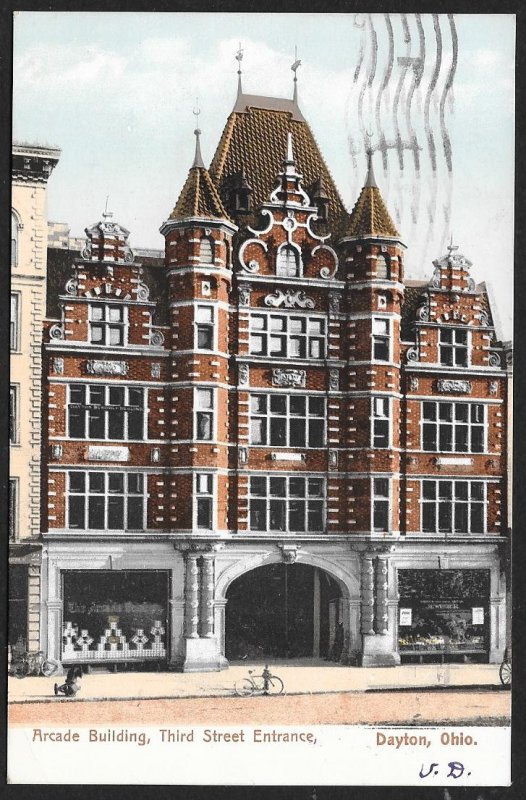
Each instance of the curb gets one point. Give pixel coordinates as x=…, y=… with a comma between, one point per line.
x=229, y=696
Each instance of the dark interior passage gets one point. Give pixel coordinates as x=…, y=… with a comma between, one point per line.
x=283, y=611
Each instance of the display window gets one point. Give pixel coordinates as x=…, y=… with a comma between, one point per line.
x=443, y=613
x=115, y=616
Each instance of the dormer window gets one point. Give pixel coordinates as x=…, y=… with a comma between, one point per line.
x=454, y=347
x=206, y=251
x=287, y=263
x=107, y=324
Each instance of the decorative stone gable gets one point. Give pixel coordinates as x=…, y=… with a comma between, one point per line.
x=287, y=244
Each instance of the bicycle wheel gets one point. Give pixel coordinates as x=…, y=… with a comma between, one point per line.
x=275, y=685
x=50, y=667
x=244, y=688
x=505, y=673
x=21, y=669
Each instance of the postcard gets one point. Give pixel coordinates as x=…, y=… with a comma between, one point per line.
x=261, y=399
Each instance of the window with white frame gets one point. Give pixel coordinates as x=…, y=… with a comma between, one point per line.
x=453, y=345
x=287, y=336
x=107, y=324
x=106, y=500
x=113, y=412
x=453, y=427
x=286, y=503
x=13, y=509
x=13, y=414
x=206, y=250
x=288, y=262
x=204, y=414
x=287, y=420
x=381, y=504
x=456, y=506
x=14, y=240
x=204, y=327
x=14, y=322
x=204, y=499
x=381, y=331
x=381, y=421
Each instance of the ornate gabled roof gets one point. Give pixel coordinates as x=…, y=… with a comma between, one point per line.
x=370, y=216
x=254, y=140
x=199, y=198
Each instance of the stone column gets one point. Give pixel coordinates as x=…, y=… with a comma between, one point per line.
x=316, y=615
x=381, y=620
x=367, y=595
x=191, y=596
x=207, y=596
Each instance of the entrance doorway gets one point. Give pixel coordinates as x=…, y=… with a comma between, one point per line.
x=284, y=611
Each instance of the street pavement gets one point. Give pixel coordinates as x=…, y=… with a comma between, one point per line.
x=299, y=678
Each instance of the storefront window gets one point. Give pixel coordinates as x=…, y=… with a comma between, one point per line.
x=114, y=616
x=443, y=612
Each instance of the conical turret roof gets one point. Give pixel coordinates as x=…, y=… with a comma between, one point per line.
x=199, y=197
x=370, y=216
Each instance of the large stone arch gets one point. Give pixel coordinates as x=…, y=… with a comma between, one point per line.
x=243, y=565
x=246, y=563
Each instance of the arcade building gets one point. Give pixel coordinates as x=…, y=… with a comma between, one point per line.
x=271, y=445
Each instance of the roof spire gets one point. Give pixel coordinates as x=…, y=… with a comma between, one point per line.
x=239, y=59
x=294, y=68
x=370, y=179
x=198, y=158
x=290, y=166
x=106, y=213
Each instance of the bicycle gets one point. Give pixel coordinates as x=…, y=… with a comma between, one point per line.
x=505, y=669
x=270, y=684
x=35, y=664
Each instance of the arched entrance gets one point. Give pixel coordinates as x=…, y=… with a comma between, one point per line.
x=284, y=611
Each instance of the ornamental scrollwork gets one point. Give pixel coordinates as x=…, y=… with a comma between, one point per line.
x=57, y=331
x=484, y=318
x=461, y=387
x=325, y=272
x=294, y=378
x=253, y=264
x=71, y=286
x=435, y=280
x=494, y=360
x=156, y=338
x=143, y=292
x=107, y=367
x=422, y=312
x=412, y=354
x=289, y=300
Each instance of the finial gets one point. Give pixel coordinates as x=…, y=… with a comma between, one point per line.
x=370, y=179
x=239, y=59
x=290, y=166
x=452, y=247
x=107, y=214
x=198, y=158
x=294, y=68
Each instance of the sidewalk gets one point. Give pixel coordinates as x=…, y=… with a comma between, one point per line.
x=308, y=679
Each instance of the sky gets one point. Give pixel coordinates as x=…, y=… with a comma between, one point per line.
x=115, y=92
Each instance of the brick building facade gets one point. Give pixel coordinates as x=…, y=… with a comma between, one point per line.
x=272, y=444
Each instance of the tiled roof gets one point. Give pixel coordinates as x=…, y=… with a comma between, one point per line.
x=199, y=198
x=370, y=216
x=255, y=140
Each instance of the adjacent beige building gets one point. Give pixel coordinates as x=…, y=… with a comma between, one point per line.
x=31, y=167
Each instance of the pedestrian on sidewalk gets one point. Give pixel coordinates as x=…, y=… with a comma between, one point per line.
x=71, y=686
x=266, y=675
